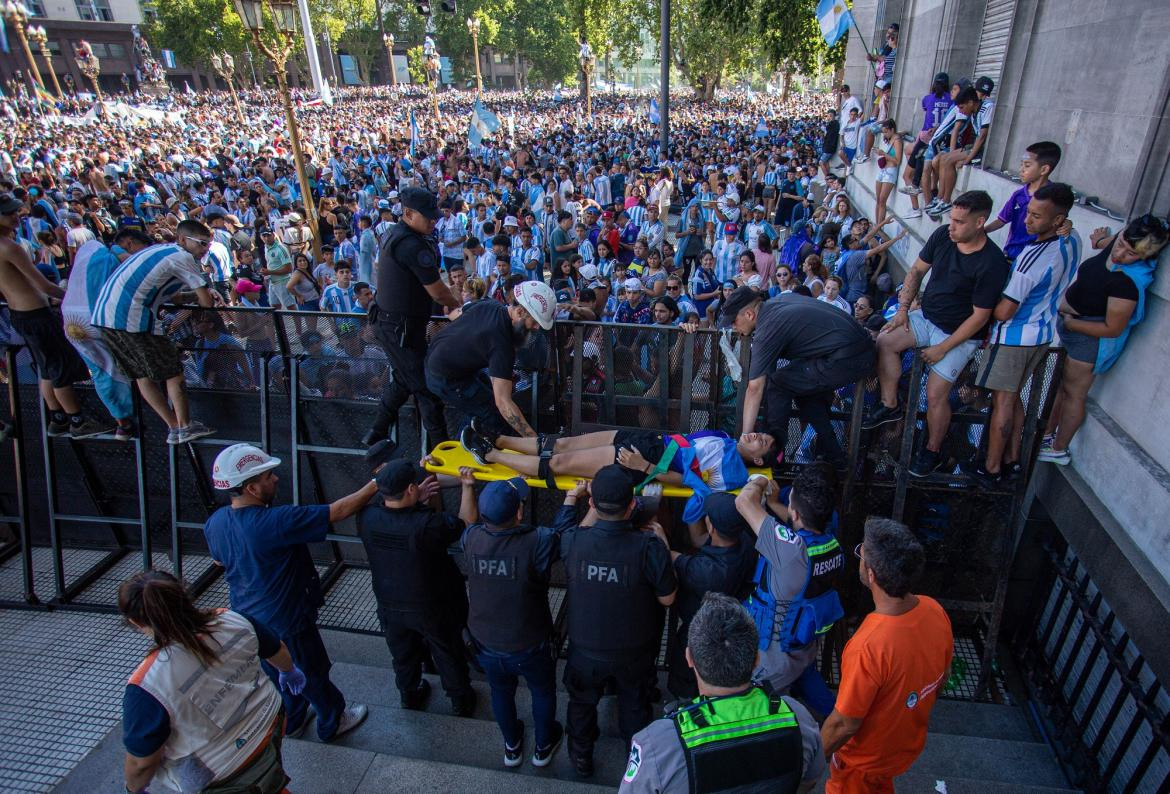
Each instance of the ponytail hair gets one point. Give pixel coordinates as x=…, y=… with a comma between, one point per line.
x=158, y=601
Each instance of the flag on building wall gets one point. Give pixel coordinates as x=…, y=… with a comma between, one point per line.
x=834, y=19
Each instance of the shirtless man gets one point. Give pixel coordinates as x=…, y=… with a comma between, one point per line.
x=29, y=296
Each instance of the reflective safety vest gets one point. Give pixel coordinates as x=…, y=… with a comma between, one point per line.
x=817, y=607
x=741, y=743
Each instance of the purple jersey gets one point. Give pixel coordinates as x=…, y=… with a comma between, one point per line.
x=935, y=109
x=1013, y=214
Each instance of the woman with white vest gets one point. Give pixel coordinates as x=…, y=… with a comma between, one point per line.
x=199, y=713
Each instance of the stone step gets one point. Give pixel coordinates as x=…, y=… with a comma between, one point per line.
x=915, y=783
x=468, y=742
x=989, y=720
x=990, y=760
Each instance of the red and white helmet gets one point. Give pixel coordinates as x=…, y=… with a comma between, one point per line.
x=238, y=463
x=538, y=299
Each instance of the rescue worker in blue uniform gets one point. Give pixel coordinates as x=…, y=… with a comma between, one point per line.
x=271, y=578
x=794, y=600
x=508, y=565
x=422, y=602
x=619, y=578
x=736, y=735
x=724, y=561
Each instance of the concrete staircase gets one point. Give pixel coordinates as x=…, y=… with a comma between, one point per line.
x=972, y=747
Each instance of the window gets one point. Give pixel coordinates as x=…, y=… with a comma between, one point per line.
x=35, y=7
x=94, y=10
x=496, y=58
x=54, y=47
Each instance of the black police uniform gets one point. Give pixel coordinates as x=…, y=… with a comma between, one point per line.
x=711, y=569
x=407, y=263
x=615, y=574
x=421, y=599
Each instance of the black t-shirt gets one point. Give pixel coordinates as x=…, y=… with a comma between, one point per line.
x=961, y=282
x=832, y=132
x=482, y=338
x=1095, y=284
x=722, y=569
x=795, y=326
x=410, y=567
x=406, y=264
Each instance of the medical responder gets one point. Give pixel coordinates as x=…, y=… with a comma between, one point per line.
x=736, y=735
x=271, y=577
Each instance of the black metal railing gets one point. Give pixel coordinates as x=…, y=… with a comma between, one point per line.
x=305, y=385
x=1106, y=711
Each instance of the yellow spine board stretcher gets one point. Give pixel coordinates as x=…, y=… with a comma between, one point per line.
x=449, y=456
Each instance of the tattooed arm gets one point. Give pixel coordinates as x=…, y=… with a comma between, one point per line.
x=502, y=392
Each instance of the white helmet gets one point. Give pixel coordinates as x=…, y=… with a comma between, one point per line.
x=238, y=463
x=539, y=300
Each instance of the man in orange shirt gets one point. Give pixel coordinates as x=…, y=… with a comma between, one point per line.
x=891, y=669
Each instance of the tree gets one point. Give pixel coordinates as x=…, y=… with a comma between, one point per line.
x=195, y=29
x=708, y=46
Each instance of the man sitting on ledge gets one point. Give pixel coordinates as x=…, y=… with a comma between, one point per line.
x=705, y=461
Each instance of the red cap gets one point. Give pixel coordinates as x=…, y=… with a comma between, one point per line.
x=246, y=287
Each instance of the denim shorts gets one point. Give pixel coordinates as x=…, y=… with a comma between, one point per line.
x=1080, y=347
x=927, y=333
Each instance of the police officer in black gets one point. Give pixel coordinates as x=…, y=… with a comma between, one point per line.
x=723, y=562
x=508, y=564
x=408, y=287
x=422, y=603
x=618, y=579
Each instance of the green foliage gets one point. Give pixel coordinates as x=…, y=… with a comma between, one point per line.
x=414, y=64
x=708, y=47
x=194, y=29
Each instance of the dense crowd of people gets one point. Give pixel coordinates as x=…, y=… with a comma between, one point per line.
x=744, y=224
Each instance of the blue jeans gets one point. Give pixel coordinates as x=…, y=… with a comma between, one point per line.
x=813, y=692
x=309, y=654
x=472, y=398
x=539, y=670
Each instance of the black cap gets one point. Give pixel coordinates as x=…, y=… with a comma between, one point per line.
x=984, y=85
x=421, y=201
x=720, y=507
x=943, y=79
x=740, y=299
x=612, y=490
x=9, y=203
x=396, y=475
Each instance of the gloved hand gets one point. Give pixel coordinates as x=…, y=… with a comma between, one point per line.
x=293, y=681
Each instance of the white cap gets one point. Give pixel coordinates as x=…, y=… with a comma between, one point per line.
x=588, y=272
x=632, y=283
x=393, y=194
x=538, y=299
x=511, y=221
x=239, y=463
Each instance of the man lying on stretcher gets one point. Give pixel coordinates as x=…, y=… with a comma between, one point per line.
x=706, y=461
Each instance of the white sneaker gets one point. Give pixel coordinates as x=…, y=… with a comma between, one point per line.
x=909, y=190
x=173, y=436
x=1059, y=457
x=193, y=431
x=861, y=158
x=352, y=717
x=913, y=214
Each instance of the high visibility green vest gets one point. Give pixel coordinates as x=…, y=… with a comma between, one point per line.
x=742, y=743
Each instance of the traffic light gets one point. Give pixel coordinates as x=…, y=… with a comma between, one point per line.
x=423, y=7
x=448, y=6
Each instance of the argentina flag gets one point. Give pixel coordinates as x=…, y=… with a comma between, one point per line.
x=655, y=116
x=489, y=120
x=415, y=138
x=834, y=19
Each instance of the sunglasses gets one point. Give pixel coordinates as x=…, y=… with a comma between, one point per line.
x=673, y=289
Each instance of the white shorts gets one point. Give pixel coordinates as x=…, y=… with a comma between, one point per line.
x=927, y=334
x=888, y=176
x=279, y=296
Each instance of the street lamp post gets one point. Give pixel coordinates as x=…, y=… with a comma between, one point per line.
x=39, y=36
x=16, y=15
x=433, y=65
x=284, y=13
x=388, y=40
x=588, y=61
x=89, y=65
x=473, y=29
x=252, y=67
x=225, y=66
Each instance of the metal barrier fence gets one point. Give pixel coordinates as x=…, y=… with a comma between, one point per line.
x=305, y=387
x=1109, y=714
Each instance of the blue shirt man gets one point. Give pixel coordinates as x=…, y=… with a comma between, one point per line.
x=270, y=574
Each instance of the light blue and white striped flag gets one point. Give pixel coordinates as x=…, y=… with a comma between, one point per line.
x=834, y=18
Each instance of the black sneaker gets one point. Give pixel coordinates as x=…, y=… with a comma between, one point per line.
x=417, y=700
x=582, y=764
x=925, y=463
x=1011, y=472
x=881, y=415
x=542, y=756
x=477, y=426
x=57, y=428
x=90, y=428
x=514, y=756
x=464, y=705
x=980, y=475
x=477, y=445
